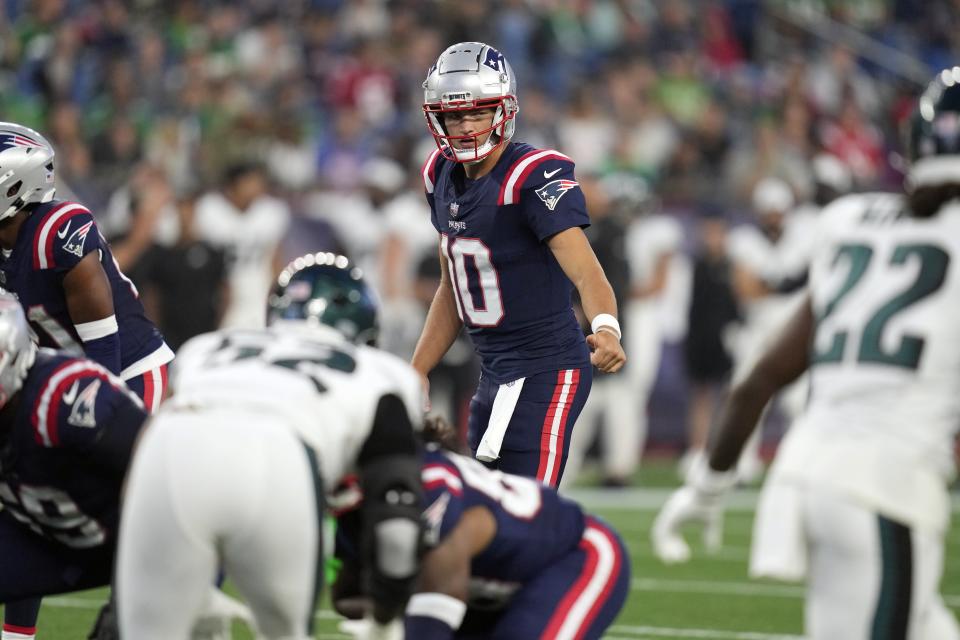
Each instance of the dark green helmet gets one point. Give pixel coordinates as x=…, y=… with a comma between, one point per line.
x=326, y=288
x=934, y=135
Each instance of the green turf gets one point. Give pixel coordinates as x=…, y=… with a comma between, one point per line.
x=711, y=597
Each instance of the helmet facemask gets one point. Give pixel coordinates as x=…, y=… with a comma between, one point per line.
x=471, y=149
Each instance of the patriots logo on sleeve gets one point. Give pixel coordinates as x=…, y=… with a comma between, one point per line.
x=75, y=242
x=551, y=192
x=84, y=407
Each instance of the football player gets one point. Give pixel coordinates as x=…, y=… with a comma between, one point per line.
x=506, y=558
x=856, y=501
x=75, y=296
x=512, y=247
x=67, y=428
x=234, y=467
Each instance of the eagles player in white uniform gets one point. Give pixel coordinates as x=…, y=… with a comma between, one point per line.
x=857, y=500
x=233, y=470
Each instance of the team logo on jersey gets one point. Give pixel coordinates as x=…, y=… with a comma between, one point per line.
x=15, y=140
x=83, y=414
x=74, y=243
x=433, y=518
x=551, y=192
x=454, y=209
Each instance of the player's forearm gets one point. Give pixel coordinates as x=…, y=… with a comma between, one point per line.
x=596, y=295
x=738, y=419
x=439, y=331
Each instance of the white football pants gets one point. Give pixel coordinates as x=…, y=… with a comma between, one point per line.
x=211, y=489
x=868, y=577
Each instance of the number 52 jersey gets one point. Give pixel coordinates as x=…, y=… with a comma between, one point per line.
x=511, y=293
x=324, y=388
x=885, y=360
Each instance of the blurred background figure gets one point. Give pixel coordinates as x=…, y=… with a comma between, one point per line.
x=713, y=314
x=244, y=221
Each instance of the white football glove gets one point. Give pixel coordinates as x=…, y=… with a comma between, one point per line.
x=369, y=629
x=700, y=500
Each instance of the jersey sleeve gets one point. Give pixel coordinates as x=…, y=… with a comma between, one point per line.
x=429, y=174
x=443, y=496
x=550, y=198
x=64, y=237
x=82, y=406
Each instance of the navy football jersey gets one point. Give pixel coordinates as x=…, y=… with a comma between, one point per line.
x=510, y=291
x=535, y=526
x=53, y=239
x=64, y=448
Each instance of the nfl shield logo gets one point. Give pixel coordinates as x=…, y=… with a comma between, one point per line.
x=454, y=209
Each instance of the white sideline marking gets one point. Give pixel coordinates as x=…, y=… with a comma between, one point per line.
x=668, y=632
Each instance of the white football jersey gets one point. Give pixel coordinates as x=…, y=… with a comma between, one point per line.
x=885, y=361
x=324, y=387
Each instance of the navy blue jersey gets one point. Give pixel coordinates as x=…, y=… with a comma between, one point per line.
x=511, y=293
x=535, y=526
x=65, y=444
x=53, y=239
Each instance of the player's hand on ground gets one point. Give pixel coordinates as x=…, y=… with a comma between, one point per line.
x=369, y=629
x=608, y=355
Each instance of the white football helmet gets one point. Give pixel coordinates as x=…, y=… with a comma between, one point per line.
x=26, y=168
x=17, y=350
x=471, y=75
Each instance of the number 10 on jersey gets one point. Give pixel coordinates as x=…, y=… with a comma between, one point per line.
x=472, y=271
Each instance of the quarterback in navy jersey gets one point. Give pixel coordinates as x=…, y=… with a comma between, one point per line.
x=512, y=249
x=67, y=428
x=64, y=274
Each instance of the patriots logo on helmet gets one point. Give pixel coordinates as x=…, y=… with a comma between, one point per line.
x=493, y=59
x=75, y=242
x=14, y=140
x=551, y=192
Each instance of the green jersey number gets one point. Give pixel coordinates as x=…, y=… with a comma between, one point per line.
x=934, y=262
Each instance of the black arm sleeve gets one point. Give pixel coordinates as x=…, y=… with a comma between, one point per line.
x=389, y=465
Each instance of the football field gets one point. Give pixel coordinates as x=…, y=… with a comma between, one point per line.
x=708, y=598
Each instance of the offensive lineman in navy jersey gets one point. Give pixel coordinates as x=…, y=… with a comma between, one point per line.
x=512, y=249
x=76, y=299
x=67, y=428
x=505, y=557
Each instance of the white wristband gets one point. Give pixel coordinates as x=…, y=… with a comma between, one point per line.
x=605, y=320
x=440, y=606
x=97, y=329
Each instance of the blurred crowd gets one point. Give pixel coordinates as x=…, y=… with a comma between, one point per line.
x=216, y=140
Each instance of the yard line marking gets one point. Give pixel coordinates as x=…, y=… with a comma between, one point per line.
x=718, y=587
x=669, y=632
x=651, y=499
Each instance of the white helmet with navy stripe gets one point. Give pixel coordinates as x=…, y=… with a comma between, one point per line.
x=26, y=168
x=467, y=76
x=17, y=350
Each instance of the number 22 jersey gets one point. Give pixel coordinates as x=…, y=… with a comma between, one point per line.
x=885, y=360
x=511, y=292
